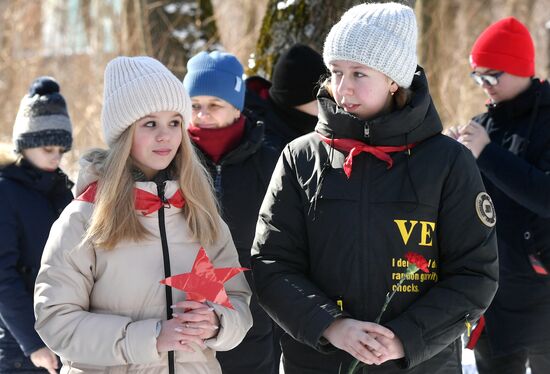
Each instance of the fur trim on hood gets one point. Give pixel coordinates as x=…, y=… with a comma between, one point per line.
x=7, y=154
x=91, y=167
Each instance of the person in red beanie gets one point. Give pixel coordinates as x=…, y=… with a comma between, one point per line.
x=511, y=142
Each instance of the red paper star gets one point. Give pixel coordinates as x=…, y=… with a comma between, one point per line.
x=204, y=282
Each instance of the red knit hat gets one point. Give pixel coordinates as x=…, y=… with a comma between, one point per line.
x=506, y=45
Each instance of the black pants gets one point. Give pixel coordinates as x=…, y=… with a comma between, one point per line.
x=538, y=359
x=12, y=359
x=259, y=352
x=15, y=362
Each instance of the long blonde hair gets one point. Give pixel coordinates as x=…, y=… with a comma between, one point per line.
x=114, y=218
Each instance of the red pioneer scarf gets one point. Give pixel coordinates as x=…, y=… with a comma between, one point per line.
x=355, y=147
x=144, y=201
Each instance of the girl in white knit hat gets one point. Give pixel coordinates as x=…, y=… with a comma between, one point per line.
x=144, y=209
x=375, y=241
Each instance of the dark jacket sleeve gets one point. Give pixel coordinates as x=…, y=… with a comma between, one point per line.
x=468, y=269
x=521, y=181
x=280, y=260
x=16, y=305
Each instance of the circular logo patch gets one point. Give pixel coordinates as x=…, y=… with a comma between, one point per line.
x=485, y=209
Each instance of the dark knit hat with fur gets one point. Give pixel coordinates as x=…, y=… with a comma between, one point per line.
x=42, y=119
x=296, y=76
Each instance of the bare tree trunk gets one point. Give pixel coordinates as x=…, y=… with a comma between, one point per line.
x=134, y=36
x=288, y=22
x=239, y=23
x=171, y=31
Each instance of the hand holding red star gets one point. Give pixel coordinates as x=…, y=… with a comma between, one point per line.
x=204, y=282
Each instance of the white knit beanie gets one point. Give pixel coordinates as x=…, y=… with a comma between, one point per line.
x=136, y=87
x=381, y=36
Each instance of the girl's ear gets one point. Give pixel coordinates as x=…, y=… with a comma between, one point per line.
x=393, y=88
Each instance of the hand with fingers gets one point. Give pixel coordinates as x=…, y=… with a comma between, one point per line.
x=175, y=337
x=46, y=359
x=197, y=319
x=474, y=137
x=360, y=339
x=452, y=132
x=394, y=347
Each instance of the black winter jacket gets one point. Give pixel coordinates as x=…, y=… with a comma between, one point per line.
x=241, y=178
x=322, y=237
x=31, y=200
x=516, y=170
x=282, y=125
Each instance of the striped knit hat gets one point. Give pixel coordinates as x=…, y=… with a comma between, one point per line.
x=42, y=119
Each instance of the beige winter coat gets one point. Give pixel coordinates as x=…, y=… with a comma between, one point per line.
x=98, y=309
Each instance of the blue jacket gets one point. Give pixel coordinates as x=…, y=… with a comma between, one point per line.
x=30, y=201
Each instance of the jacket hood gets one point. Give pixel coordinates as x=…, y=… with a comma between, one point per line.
x=91, y=164
x=7, y=155
x=257, y=95
x=258, y=85
x=417, y=121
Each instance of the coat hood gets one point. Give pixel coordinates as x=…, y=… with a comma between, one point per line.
x=7, y=155
x=417, y=121
x=91, y=164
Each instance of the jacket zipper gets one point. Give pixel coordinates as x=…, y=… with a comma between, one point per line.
x=166, y=259
x=218, y=180
x=363, y=251
x=468, y=325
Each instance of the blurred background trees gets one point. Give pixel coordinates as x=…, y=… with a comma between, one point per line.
x=73, y=40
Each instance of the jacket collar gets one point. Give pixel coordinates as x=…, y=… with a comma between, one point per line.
x=417, y=121
x=40, y=180
x=296, y=123
x=521, y=105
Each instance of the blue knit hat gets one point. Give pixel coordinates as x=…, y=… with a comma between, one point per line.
x=216, y=74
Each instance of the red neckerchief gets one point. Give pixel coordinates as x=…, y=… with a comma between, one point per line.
x=476, y=333
x=144, y=201
x=217, y=142
x=354, y=147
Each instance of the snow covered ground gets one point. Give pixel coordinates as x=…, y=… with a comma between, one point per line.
x=468, y=362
